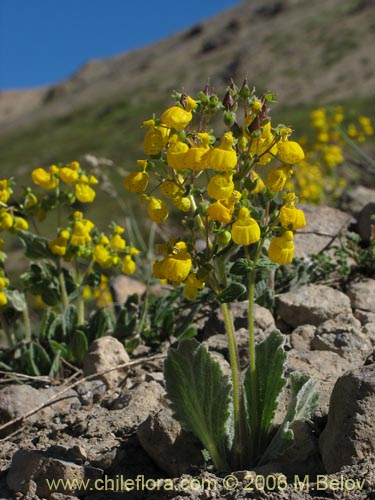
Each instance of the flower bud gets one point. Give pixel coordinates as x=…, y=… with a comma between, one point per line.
x=229, y=118
x=245, y=91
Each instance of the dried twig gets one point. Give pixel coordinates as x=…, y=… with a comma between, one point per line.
x=55, y=397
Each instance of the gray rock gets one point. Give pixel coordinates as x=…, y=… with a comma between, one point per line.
x=263, y=320
x=369, y=331
x=323, y=226
x=344, y=336
x=105, y=353
x=362, y=294
x=37, y=466
x=312, y=304
x=353, y=200
x=123, y=286
x=323, y=366
x=349, y=435
x=364, y=316
x=174, y=450
x=366, y=224
x=137, y=404
x=17, y=400
x=301, y=337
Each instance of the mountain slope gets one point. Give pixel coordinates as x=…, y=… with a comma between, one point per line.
x=307, y=51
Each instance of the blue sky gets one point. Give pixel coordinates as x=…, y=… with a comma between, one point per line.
x=45, y=41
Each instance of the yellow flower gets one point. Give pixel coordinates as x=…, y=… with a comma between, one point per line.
x=84, y=193
x=277, y=177
x=3, y=299
x=6, y=220
x=176, y=118
x=45, y=179
x=59, y=245
x=20, y=224
x=102, y=256
x=223, y=157
x=192, y=285
x=117, y=243
x=157, y=210
x=182, y=203
x=290, y=152
x=68, y=175
x=290, y=215
x=194, y=156
x=136, y=182
x=176, y=155
x=218, y=212
x=281, y=249
x=170, y=189
x=81, y=232
x=220, y=186
x=5, y=191
x=176, y=266
x=4, y=283
x=190, y=103
x=245, y=231
x=128, y=265
x=260, y=184
x=153, y=142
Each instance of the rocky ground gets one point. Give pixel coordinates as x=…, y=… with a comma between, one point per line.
x=117, y=433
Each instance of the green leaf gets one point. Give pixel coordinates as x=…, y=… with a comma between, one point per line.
x=270, y=366
x=241, y=267
x=232, y=293
x=200, y=396
x=266, y=263
x=36, y=247
x=28, y=364
x=101, y=323
x=57, y=346
x=17, y=300
x=69, y=320
x=41, y=358
x=303, y=400
x=45, y=330
x=78, y=346
x=56, y=365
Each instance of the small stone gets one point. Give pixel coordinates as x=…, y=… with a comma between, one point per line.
x=349, y=435
x=174, y=450
x=343, y=335
x=124, y=286
x=323, y=366
x=364, y=316
x=105, y=353
x=362, y=294
x=312, y=304
x=323, y=226
x=301, y=337
x=38, y=466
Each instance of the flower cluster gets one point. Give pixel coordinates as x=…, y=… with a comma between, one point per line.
x=318, y=175
x=223, y=186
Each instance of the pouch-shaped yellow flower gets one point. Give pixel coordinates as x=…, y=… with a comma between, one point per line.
x=128, y=265
x=245, y=231
x=176, y=155
x=44, y=179
x=157, y=210
x=281, y=249
x=68, y=175
x=84, y=193
x=218, y=212
x=221, y=186
x=290, y=152
x=222, y=158
x=176, y=266
x=136, y=182
x=292, y=216
x=153, y=142
x=277, y=177
x=191, y=286
x=176, y=118
x=5, y=191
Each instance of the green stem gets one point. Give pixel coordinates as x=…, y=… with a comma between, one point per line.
x=240, y=442
x=252, y=358
x=8, y=333
x=26, y=322
x=64, y=295
x=200, y=223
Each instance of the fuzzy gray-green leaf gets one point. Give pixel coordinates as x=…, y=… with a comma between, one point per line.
x=200, y=396
x=303, y=401
x=270, y=365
